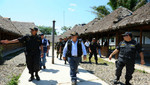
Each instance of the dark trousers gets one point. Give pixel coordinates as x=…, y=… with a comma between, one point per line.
x=74, y=63
x=87, y=49
x=58, y=53
x=33, y=62
x=95, y=56
x=129, y=69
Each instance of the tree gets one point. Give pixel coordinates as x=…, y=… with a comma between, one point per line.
x=101, y=11
x=46, y=30
x=132, y=5
x=65, y=28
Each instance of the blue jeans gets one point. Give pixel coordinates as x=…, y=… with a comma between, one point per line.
x=99, y=52
x=74, y=63
x=43, y=60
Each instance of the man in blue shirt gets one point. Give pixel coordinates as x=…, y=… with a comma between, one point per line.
x=74, y=49
x=45, y=50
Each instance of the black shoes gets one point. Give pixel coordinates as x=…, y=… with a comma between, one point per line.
x=74, y=82
x=44, y=67
x=37, y=78
x=31, y=78
x=128, y=83
x=116, y=81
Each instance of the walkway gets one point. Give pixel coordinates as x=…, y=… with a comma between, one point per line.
x=58, y=74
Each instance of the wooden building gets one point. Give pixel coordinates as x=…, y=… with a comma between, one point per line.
x=11, y=30
x=109, y=29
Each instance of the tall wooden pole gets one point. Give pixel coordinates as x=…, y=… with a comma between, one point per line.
x=117, y=41
x=141, y=37
x=53, y=34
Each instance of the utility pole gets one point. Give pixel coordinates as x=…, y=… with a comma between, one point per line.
x=64, y=18
x=53, y=35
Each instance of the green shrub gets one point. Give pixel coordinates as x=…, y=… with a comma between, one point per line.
x=14, y=80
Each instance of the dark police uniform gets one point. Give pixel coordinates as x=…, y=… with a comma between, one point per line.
x=93, y=46
x=127, y=54
x=32, y=52
x=59, y=44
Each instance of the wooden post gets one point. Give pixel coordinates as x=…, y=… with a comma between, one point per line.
x=108, y=45
x=117, y=41
x=141, y=36
x=53, y=42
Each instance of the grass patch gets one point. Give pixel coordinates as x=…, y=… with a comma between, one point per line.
x=14, y=80
x=142, y=71
x=100, y=60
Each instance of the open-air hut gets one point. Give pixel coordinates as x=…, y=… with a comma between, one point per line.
x=102, y=28
x=8, y=31
x=23, y=27
x=139, y=24
x=84, y=28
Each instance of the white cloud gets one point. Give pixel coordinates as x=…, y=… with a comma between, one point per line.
x=71, y=9
x=73, y=4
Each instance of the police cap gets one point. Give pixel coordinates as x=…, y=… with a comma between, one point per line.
x=74, y=34
x=41, y=34
x=34, y=28
x=127, y=33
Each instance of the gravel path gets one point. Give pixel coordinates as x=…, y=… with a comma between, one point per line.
x=106, y=71
x=13, y=65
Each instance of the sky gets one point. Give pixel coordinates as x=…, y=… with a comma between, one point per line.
x=43, y=12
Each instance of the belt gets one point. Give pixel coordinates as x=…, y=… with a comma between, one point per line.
x=74, y=56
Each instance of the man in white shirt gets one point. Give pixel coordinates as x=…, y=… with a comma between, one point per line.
x=87, y=44
x=74, y=49
x=45, y=51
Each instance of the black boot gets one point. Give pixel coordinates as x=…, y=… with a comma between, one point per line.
x=65, y=62
x=44, y=67
x=116, y=81
x=127, y=83
x=96, y=62
x=31, y=78
x=37, y=76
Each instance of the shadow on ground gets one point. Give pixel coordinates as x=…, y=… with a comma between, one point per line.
x=94, y=63
x=50, y=70
x=84, y=82
x=10, y=56
x=45, y=82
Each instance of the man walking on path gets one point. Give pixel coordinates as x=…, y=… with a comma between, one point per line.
x=127, y=52
x=32, y=51
x=93, y=49
x=99, y=49
x=73, y=50
x=64, y=42
x=59, y=48
x=87, y=44
x=45, y=50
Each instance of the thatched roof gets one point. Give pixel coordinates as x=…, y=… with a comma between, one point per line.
x=7, y=25
x=108, y=21
x=140, y=17
x=66, y=34
x=23, y=27
x=49, y=37
x=84, y=28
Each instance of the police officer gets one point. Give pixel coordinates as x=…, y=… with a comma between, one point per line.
x=45, y=50
x=32, y=51
x=64, y=42
x=93, y=49
x=59, y=46
x=73, y=50
x=127, y=51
